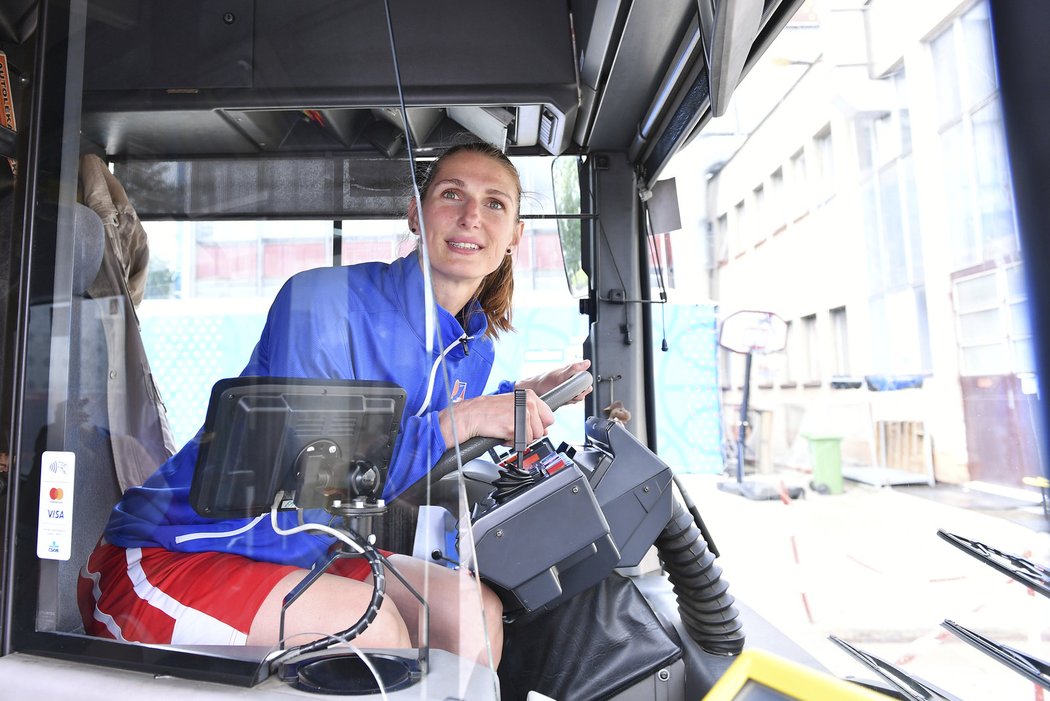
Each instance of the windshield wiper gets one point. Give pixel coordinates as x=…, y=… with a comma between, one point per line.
x=911, y=687
x=1033, y=576
x=1024, y=664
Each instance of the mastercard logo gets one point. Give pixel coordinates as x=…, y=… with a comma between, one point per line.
x=55, y=493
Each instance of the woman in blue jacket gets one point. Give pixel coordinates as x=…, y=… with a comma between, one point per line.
x=164, y=574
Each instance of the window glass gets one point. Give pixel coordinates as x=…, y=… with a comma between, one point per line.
x=776, y=199
x=1023, y=356
x=191, y=341
x=947, y=104
x=978, y=60
x=959, y=196
x=741, y=224
x=910, y=205
x=811, y=348
x=722, y=237
x=993, y=321
x=980, y=325
x=799, y=183
x=918, y=255
x=892, y=226
x=825, y=161
x=840, y=337
x=761, y=210
x=976, y=292
x=994, y=200
x=793, y=354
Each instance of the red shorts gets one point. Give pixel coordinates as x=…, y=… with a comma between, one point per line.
x=152, y=595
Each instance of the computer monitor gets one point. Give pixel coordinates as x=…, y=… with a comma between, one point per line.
x=312, y=441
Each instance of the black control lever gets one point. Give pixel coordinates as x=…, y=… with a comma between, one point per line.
x=521, y=442
x=514, y=478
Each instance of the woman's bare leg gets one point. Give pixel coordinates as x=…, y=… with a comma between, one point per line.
x=456, y=620
x=330, y=605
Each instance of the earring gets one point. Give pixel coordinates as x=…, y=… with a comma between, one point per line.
x=412, y=229
x=508, y=250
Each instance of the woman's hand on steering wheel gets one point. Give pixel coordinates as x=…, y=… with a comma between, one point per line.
x=541, y=384
x=492, y=416
x=473, y=427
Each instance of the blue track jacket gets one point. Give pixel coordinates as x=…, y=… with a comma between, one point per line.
x=358, y=322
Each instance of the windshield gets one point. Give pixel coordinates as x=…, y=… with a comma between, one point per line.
x=866, y=200
x=425, y=351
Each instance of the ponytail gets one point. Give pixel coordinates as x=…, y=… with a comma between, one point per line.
x=496, y=295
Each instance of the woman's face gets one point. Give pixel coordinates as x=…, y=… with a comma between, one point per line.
x=471, y=217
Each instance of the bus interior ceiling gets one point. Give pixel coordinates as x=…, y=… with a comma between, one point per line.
x=292, y=87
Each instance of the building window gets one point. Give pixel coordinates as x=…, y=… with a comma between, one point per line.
x=825, y=164
x=776, y=200
x=977, y=190
x=721, y=244
x=740, y=232
x=791, y=356
x=810, y=364
x=799, y=185
x=994, y=334
x=840, y=341
x=907, y=350
x=892, y=241
x=760, y=227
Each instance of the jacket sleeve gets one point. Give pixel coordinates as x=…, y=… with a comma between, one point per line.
x=306, y=333
x=419, y=445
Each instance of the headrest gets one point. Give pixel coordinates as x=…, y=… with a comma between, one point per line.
x=89, y=245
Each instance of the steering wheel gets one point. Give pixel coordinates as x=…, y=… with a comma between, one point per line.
x=479, y=445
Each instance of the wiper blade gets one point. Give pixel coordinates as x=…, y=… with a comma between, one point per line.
x=1035, y=577
x=911, y=687
x=1024, y=664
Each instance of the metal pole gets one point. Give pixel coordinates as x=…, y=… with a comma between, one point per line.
x=742, y=432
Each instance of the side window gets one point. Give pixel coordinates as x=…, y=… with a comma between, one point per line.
x=193, y=341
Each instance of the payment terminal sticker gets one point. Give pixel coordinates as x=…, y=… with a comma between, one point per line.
x=54, y=533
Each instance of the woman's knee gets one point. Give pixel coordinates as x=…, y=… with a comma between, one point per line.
x=388, y=630
x=331, y=605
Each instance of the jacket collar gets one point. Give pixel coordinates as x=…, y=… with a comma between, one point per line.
x=410, y=297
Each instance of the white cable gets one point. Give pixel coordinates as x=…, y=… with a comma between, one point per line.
x=433, y=374
x=185, y=537
x=339, y=535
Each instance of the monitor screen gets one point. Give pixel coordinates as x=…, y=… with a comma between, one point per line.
x=310, y=441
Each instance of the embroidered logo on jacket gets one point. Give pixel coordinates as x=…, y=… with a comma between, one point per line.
x=459, y=391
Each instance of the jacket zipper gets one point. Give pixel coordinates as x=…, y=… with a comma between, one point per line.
x=434, y=368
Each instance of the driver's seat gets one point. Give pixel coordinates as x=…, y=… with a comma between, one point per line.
x=85, y=429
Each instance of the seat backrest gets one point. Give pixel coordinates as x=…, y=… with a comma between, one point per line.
x=86, y=431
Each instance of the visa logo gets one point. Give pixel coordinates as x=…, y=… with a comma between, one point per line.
x=56, y=513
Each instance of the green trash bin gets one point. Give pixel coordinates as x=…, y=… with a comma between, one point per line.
x=825, y=455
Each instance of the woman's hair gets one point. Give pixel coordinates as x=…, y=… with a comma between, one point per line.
x=497, y=289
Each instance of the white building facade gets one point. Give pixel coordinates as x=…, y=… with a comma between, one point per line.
x=871, y=209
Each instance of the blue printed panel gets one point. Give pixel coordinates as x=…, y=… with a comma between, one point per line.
x=688, y=399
